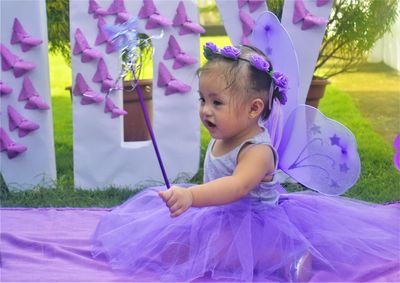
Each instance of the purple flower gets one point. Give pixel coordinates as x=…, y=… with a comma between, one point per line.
x=282, y=97
x=211, y=46
x=230, y=52
x=259, y=62
x=209, y=49
x=280, y=80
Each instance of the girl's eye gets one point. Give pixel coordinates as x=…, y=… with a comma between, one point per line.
x=201, y=99
x=217, y=103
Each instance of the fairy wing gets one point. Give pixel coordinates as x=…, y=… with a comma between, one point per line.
x=271, y=37
x=319, y=152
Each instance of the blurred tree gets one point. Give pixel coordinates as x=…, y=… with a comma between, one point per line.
x=353, y=28
x=58, y=27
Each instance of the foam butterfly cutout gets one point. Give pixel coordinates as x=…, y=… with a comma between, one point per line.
x=111, y=107
x=5, y=89
x=247, y=26
x=17, y=121
x=96, y=10
x=81, y=88
x=102, y=76
x=302, y=14
x=154, y=19
x=11, y=61
x=117, y=7
x=321, y=2
x=165, y=79
x=253, y=4
x=175, y=52
x=19, y=35
x=6, y=144
x=29, y=93
x=82, y=47
x=186, y=25
x=102, y=36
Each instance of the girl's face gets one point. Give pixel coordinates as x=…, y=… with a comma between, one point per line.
x=219, y=113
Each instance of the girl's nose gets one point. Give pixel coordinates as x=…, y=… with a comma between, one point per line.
x=205, y=110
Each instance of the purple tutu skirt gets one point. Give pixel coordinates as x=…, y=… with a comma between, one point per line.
x=304, y=237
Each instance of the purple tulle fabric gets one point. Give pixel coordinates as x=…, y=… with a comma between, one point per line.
x=305, y=237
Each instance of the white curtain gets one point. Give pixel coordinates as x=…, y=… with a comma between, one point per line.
x=387, y=49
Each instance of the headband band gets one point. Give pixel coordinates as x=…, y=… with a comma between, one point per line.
x=279, y=80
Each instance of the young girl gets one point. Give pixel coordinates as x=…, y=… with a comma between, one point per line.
x=240, y=225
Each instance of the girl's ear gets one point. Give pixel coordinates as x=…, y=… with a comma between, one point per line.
x=256, y=108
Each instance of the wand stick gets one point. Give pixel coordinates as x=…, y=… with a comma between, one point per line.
x=150, y=129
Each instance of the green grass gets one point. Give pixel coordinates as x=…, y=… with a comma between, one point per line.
x=379, y=181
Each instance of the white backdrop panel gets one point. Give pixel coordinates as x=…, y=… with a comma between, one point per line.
x=37, y=164
x=101, y=157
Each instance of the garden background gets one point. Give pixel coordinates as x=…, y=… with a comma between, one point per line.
x=365, y=98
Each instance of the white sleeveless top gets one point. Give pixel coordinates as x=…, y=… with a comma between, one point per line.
x=220, y=166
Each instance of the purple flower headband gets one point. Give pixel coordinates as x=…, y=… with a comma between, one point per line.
x=280, y=81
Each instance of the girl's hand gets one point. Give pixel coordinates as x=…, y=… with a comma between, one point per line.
x=177, y=199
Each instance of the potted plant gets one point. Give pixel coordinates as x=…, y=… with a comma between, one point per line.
x=134, y=123
x=352, y=30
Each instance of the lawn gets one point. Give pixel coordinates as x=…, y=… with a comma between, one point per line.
x=379, y=180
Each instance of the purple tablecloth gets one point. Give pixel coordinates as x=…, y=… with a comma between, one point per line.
x=50, y=245
x=54, y=245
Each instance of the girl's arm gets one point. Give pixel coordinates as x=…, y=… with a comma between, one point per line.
x=254, y=163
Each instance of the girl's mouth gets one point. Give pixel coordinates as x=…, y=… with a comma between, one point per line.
x=210, y=124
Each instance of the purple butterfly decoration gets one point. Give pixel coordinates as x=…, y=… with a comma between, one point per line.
x=186, y=25
x=17, y=121
x=102, y=76
x=29, y=93
x=111, y=107
x=101, y=35
x=6, y=144
x=253, y=4
x=96, y=10
x=117, y=7
x=154, y=19
x=247, y=26
x=81, y=88
x=5, y=89
x=165, y=79
x=321, y=2
x=175, y=52
x=302, y=14
x=82, y=47
x=11, y=61
x=19, y=35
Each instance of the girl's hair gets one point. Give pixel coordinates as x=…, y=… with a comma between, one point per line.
x=246, y=80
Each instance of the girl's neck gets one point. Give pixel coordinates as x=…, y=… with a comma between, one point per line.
x=224, y=146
